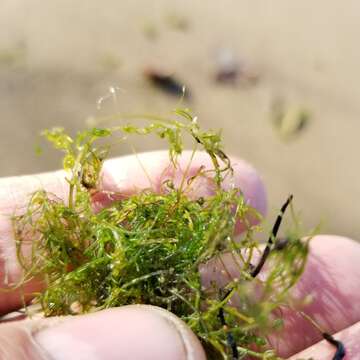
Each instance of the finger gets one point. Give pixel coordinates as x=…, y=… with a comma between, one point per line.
x=14, y=195
x=126, y=175
x=130, y=174
x=331, y=278
x=324, y=351
x=131, y=332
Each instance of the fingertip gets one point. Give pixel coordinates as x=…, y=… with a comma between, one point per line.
x=245, y=177
x=130, y=332
x=132, y=173
x=332, y=277
x=326, y=245
x=331, y=280
x=141, y=332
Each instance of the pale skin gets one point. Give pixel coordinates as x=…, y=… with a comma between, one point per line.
x=332, y=276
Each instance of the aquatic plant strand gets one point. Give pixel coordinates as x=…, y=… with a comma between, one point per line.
x=148, y=248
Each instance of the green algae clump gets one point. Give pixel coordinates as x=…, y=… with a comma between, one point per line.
x=148, y=248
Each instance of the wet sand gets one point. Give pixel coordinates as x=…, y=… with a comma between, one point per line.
x=65, y=55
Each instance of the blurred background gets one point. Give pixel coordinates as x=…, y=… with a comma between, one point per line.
x=280, y=78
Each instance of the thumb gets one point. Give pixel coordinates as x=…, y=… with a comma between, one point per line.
x=140, y=332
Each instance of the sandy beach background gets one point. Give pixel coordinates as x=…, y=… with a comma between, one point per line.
x=58, y=58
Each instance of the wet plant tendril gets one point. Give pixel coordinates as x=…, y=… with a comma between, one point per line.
x=148, y=248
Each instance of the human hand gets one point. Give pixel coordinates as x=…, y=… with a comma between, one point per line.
x=145, y=332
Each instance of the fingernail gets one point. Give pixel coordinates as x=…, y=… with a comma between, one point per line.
x=132, y=332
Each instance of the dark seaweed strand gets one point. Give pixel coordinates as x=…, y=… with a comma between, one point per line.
x=229, y=336
x=273, y=235
x=254, y=273
x=340, y=348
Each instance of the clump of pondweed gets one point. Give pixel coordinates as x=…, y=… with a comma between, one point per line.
x=148, y=248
